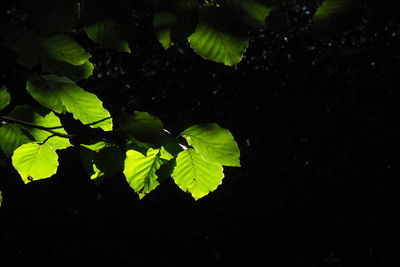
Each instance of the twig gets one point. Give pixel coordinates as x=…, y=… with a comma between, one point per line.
x=96, y=122
x=47, y=129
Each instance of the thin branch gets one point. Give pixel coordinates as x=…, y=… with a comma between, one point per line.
x=28, y=124
x=96, y=122
x=45, y=140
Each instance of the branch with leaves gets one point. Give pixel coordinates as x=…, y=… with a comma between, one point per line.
x=136, y=144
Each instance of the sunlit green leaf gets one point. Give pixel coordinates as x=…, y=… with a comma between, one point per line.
x=337, y=15
x=214, y=143
x=195, y=175
x=58, y=54
x=96, y=146
x=11, y=137
x=140, y=170
x=106, y=34
x=56, y=15
x=50, y=120
x=109, y=160
x=34, y=161
x=61, y=68
x=175, y=20
x=5, y=97
x=60, y=94
x=142, y=126
x=162, y=23
x=252, y=12
x=100, y=161
x=219, y=36
x=108, y=23
x=63, y=48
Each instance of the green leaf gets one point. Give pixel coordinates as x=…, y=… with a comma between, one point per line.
x=219, y=36
x=34, y=161
x=140, y=170
x=75, y=73
x=108, y=23
x=337, y=15
x=175, y=21
x=106, y=34
x=63, y=48
x=11, y=137
x=53, y=15
x=214, y=143
x=96, y=146
x=5, y=97
x=60, y=94
x=101, y=161
x=58, y=54
x=50, y=120
x=142, y=126
x=252, y=12
x=195, y=175
x=163, y=22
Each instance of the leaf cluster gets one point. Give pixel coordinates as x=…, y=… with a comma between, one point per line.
x=52, y=63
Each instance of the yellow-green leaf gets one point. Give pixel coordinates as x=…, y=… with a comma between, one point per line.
x=220, y=36
x=195, y=175
x=34, y=161
x=140, y=170
x=49, y=120
x=61, y=94
x=214, y=143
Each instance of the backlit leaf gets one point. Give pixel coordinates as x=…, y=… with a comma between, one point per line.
x=58, y=54
x=108, y=23
x=4, y=97
x=34, y=161
x=106, y=34
x=103, y=162
x=60, y=94
x=63, y=48
x=214, y=143
x=195, y=175
x=175, y=20
x=142, y=126
x=50, y=120
x=11, y=137
x=252, y=12
x=219, y=36
x=140, y=170
x=61, y=68
x=337, y=15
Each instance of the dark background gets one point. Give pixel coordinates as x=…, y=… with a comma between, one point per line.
x=316, y=121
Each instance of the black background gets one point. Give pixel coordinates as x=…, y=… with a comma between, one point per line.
x=316, y=121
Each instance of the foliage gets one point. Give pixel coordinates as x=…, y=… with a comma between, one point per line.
x=52, y=63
